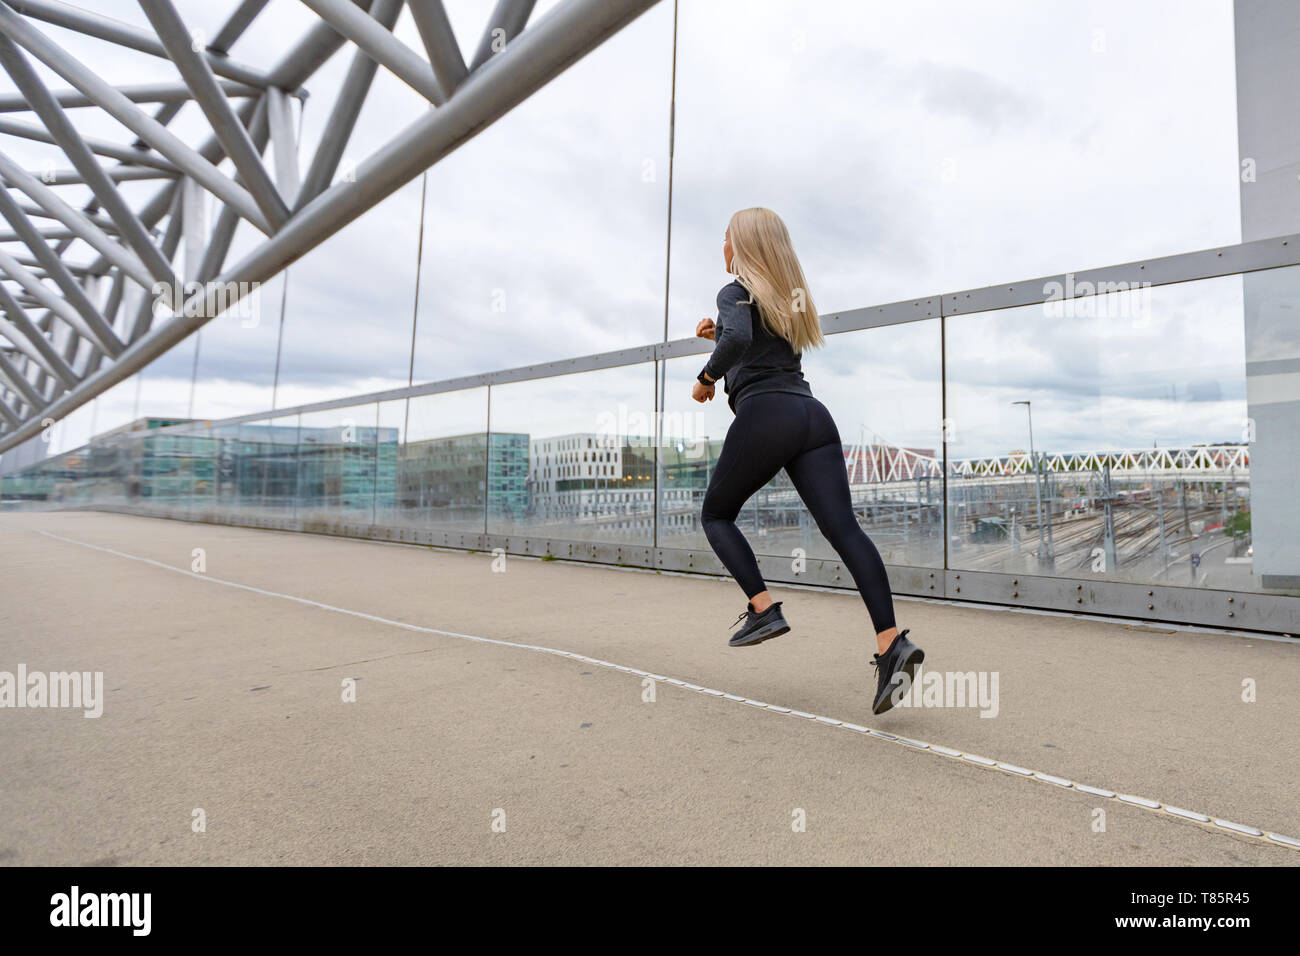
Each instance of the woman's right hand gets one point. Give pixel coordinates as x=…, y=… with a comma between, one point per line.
x=705, y=329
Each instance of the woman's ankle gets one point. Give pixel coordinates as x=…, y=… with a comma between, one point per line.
x=760, y=602
x=885, y=638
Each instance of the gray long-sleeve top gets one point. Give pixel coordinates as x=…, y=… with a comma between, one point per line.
x=749, y=358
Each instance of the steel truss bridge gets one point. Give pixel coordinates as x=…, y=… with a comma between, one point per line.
x=52, y=305
x=884, y=463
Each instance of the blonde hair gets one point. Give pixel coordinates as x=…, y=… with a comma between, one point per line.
x=763, y=259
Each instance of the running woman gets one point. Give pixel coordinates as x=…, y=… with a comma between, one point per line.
x=766, y=319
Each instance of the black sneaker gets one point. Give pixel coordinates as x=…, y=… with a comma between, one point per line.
x=759, y=627
x=895, y=669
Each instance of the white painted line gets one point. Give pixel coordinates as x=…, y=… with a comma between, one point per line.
x=1238, y=827
x=1059, y=781
x=1140, y=801
x=1095, y=791
x=1273, y=838
x=1189, y=814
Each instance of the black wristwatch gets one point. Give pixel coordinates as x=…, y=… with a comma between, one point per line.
x=704, y=381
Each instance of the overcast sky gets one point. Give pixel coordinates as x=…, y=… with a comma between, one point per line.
x=912, y=149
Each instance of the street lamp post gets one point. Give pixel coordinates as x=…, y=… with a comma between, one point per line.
x=1038, y=491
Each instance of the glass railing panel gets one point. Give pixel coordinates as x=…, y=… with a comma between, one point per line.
x=1112, y=437
x=338, y=452
x=436, y=462
x=572, y=457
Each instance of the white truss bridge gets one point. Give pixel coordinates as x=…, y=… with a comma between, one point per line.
x=878, y=463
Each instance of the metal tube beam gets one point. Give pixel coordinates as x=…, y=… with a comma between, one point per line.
x=70, y=345
x=18, y=343
x=114, y=301
x=157, y=207
x=318, y=44
x=33, y=210
x=171, y=241
x=343, y=116
x=439, y=40
x=123, y=34
x=50, y=234
x=76, y=149
x=45, y=197
x=126, y=154
x=48, y=300
x=75, y=269
x=283, y=143
x=218, y=242
x=130, y=116
x=117, y=174
x=111, y=306
x=20, y=328
x=171, y=94
x=380, y=44
x=95, y=326
x=162, y=116
x=20, y=384
x=198, y=75
x=235, y=26
x=30, y=352
x=9, y=415
x=509, y=17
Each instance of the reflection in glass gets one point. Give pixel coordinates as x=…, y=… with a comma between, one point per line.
x=572, y=457
x=1104, y=437
x=268, y=465
x=439, y=463
x=338, y=454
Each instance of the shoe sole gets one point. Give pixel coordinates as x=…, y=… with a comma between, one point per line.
x=908, y=668
x=761, y=635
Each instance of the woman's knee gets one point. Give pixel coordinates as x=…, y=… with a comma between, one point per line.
x=845, y=535
x=713, y=508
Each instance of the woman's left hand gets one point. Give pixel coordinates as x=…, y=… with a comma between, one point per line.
x=702, y=392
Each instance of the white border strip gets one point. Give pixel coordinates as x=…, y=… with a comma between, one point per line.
x=1205, y=820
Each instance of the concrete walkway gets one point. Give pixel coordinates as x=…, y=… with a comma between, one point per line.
x=228, y=699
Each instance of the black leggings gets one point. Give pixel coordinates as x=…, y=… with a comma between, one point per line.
x=785, y=429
